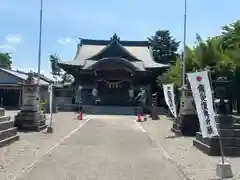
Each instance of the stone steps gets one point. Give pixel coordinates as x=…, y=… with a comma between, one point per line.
x=214, y=142
x=8, y=133
x=228, y=151
x=112, y=110
x=6, y=125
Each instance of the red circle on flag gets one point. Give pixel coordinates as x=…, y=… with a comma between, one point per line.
x=198, y=78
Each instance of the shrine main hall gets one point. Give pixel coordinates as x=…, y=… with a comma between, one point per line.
x=113, y=70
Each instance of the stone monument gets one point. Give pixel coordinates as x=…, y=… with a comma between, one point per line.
x=30, y=117
x=228, y=129
x=187, y=123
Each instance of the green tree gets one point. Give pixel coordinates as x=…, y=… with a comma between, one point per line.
x=5, y=60
x=54, y=59
x=164, y=47
x=205, y=54
x=57, y=71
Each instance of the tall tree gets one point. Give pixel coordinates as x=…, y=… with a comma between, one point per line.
x=164, y=47
x=5, y=60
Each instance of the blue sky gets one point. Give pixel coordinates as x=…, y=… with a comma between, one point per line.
x=64, y=21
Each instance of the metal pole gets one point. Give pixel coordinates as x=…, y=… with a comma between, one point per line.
x=184, y=45
x=214, y=107
x=40, y=44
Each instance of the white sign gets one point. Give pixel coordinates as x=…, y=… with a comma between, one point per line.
x=202, y=94
x=168, y=90
x=50, y=97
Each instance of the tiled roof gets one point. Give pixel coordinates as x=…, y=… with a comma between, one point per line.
x=36, y=75
x=22, y=75
x=88, y=48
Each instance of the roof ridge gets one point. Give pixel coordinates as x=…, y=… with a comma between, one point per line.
x=106, y=42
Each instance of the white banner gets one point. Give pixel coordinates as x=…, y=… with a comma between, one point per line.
x=202, y=94
x=50, y=97
x=168, y=90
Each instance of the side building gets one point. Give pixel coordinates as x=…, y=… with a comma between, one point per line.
x=11, y=89
x=113, y=67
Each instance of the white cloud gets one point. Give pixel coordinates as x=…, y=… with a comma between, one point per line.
x=7, y=48
x=65, y=40
x=14, y=39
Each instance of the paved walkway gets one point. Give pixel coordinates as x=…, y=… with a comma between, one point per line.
x=33, y=145
x=180, y=150
x=112, y=148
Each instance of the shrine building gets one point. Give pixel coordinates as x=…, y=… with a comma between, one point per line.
x=113, y=68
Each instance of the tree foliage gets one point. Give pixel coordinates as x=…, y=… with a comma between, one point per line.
x=164, y=47
x=54, y=59
x=220, y=54
x=5, y=60
x=57, y=72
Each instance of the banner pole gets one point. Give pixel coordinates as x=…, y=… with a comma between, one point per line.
x=218, y=128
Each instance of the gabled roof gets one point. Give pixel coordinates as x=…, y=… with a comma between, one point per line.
x=36, y=75
x=88, y=49
x=114, y=49
x=22, y=76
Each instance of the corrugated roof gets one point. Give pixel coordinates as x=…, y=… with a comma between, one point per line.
x=22, y=75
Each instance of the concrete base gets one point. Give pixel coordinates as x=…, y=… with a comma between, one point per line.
x=186, y=125
x=30, y=120
x=224, y=170
x=49, y=129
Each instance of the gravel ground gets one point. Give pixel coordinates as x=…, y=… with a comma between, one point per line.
x=193, y=162
x=33, y=145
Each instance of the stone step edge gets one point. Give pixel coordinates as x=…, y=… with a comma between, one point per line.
x=5, y=130
x=4, y=118
x=9, y=140
x=4, y=122
x=222, y=137
x=225, y=147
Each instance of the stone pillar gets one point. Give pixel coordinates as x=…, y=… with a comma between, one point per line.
x=187, y=122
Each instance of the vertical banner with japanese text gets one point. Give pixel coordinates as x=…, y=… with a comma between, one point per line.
x=203, y=99
x=168, y=90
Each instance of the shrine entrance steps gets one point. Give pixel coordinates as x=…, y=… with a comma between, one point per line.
x=108, y=110
x=112, y=110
